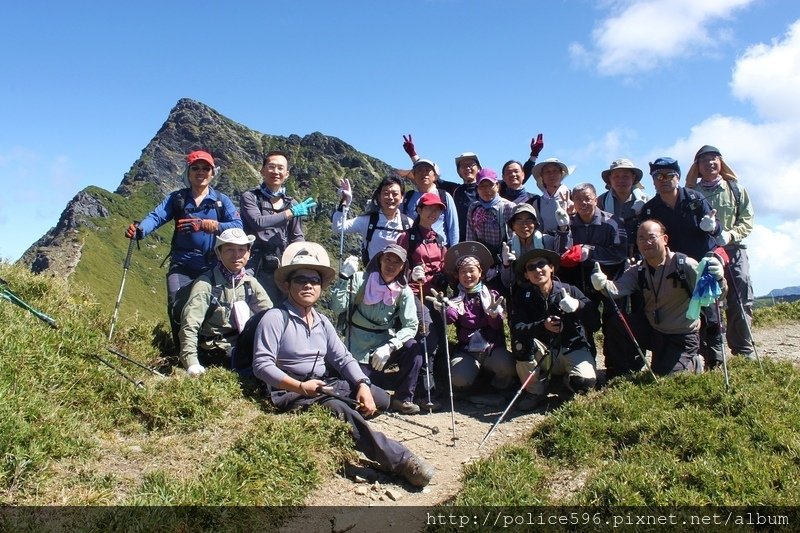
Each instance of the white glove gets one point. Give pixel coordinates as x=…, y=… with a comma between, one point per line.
x=724, y=238
x=349, y=267
x=380, y=356
x=439, y=299
x=708, y=223
x=599, y=279
x=418, y=274
x=586, y=250
x=562, y=218
x=495, y=307
x=346, y=192
x=196, y=370
x=568, y=304
x=637, y=206
x=715, y=268
x=507, y=255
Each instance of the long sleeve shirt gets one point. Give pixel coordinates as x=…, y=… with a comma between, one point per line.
x=192, y=251
x=721, y=198
x=386, y=231
x=376, y=324
x=273, y=231
x=447, y=223
x=289, y=347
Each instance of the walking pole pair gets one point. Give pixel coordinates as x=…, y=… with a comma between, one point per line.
x=125, y=268
x=449, y=373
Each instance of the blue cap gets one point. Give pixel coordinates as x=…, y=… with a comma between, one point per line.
x=664, y=163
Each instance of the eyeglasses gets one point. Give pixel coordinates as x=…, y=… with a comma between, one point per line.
x=538, y=265
x=306, y=280
x=664, y=176
x=276, y=168
x=649, y=239
x=200, y=168
x=467, y=164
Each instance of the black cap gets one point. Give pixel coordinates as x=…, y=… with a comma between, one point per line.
x=707, y=149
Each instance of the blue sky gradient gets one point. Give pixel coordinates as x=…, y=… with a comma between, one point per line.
x=87, y=85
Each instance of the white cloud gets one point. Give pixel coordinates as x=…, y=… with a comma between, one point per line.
x=769, y=77
x=641, y=35
x=774, y=259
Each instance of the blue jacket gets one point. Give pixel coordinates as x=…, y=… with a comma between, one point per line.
x=192, y=252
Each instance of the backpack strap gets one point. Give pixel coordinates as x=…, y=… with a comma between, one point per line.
x=737, y=198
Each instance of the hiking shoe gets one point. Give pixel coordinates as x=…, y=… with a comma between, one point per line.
x=417, y=471
x=750, y=356
x=406, y=408
x=529, y=402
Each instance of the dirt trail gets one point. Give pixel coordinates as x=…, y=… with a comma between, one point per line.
x=344, y=504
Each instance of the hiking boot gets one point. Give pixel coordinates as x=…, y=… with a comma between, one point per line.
x=417, y=471
x=529, y=402
x=406, y=408
x=750, y=356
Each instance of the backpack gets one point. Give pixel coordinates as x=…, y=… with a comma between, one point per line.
x=679, y=276
x=242, y=355
x=414, y=241
x=179, y=200
x=405, y=223
x=182, y=297
x=407, y=199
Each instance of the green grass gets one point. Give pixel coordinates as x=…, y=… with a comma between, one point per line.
x=73, y=432
x=682, y=441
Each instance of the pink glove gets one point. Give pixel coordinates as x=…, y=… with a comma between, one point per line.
x=408, y=146
x=536, y=145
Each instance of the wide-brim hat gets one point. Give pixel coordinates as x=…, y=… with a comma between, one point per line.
x=537, y=170
x=552, y=257
x=623, y=163
x=467, y=249
x=522, y=208
x=233, y=236
x=304, y=255
x=374, y=264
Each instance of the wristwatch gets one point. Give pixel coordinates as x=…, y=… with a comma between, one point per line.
x=365, y=381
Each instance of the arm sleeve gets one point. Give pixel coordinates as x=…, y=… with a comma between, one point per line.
x=262, y=299
x=229, y=214
x=625, y=284
x=159, y=216
x=408, y=318
x=616, y=251
x=267, y=342
x=339, y=292
x=252, y=216
x=451, y=221
x=351, y=225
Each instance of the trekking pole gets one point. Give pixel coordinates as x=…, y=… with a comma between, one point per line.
x=429, y=405
x=341, y=236
x=724, y=356
x=632, y=336
x=744, y=316
x=137, y=363
x=125, y=268
x=9, y=295
x=328, y=391
x=138, y=384
x=508, y=408
x=449, y=374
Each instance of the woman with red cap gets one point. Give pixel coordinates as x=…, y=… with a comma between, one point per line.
x=200, y=213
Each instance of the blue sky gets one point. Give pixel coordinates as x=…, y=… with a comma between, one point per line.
x=86, y=85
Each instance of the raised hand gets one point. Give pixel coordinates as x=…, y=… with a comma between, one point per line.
x=349, y=267
x=599, y=279
x=495, y=306
x=536, y=146
x=418, y=274
x=346, y=192
x=708, y=222
x=507, y=255
x=304, y=208
x=568, y=304
x=439, y=300
x=408, y=146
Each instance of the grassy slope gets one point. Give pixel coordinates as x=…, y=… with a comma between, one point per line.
x=72, y=432
x=682, y=441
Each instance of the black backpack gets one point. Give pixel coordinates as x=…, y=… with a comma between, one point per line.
x=242, y=355
x=405, y=223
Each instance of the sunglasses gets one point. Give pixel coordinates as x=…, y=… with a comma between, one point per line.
x=306, y=280
x=663, y=176
x=538, y=265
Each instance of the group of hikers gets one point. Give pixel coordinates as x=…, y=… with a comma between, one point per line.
x=486, y=255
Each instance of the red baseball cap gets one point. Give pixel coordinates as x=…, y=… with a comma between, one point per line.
x=199, y=155
x=430, y=198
